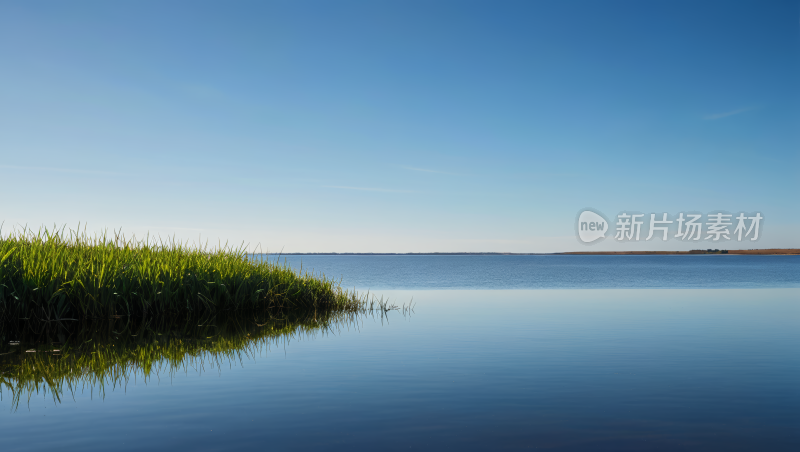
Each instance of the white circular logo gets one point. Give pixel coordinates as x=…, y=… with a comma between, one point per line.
x=591, y=226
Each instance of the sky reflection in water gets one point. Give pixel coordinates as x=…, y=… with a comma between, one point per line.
x=631, y=369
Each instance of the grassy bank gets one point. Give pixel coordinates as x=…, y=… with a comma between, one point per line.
x=56, y=275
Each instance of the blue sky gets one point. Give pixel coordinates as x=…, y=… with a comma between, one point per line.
x=396, y=126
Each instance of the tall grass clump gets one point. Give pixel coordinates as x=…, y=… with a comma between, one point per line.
x=56, y=275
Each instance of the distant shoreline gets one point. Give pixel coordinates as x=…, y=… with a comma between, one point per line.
x=764, y=252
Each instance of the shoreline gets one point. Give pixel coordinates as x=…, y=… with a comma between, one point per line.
x=762, y=252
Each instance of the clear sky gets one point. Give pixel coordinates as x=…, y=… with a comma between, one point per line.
x=397, y=126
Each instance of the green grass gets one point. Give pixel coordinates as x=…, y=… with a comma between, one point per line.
x=57, y=275
x=57, y=359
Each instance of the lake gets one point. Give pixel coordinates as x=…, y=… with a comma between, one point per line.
x=553, y=271
x=567, y=353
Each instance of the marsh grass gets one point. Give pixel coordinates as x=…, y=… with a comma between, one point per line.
x=52, y=275
x=58, y=360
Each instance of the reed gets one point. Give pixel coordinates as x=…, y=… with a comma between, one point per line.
x=58, y=275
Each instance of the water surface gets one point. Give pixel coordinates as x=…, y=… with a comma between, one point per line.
x=568, y=369
x=554, y=271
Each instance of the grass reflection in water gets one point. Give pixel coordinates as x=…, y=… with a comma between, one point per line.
x=58, y=359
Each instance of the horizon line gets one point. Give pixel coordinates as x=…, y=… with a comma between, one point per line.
x=497, y=253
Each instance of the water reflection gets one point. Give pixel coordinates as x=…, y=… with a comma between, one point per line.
x=59, y=359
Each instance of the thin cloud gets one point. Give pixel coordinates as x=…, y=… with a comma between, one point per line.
x=726, y=114
x=58, y=170
x=388, y=190
x=424, y=170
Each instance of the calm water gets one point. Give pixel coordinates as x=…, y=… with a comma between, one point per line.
x=584, y=362
x=552, y=272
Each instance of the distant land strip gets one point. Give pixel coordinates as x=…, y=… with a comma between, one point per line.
x=771, y=251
